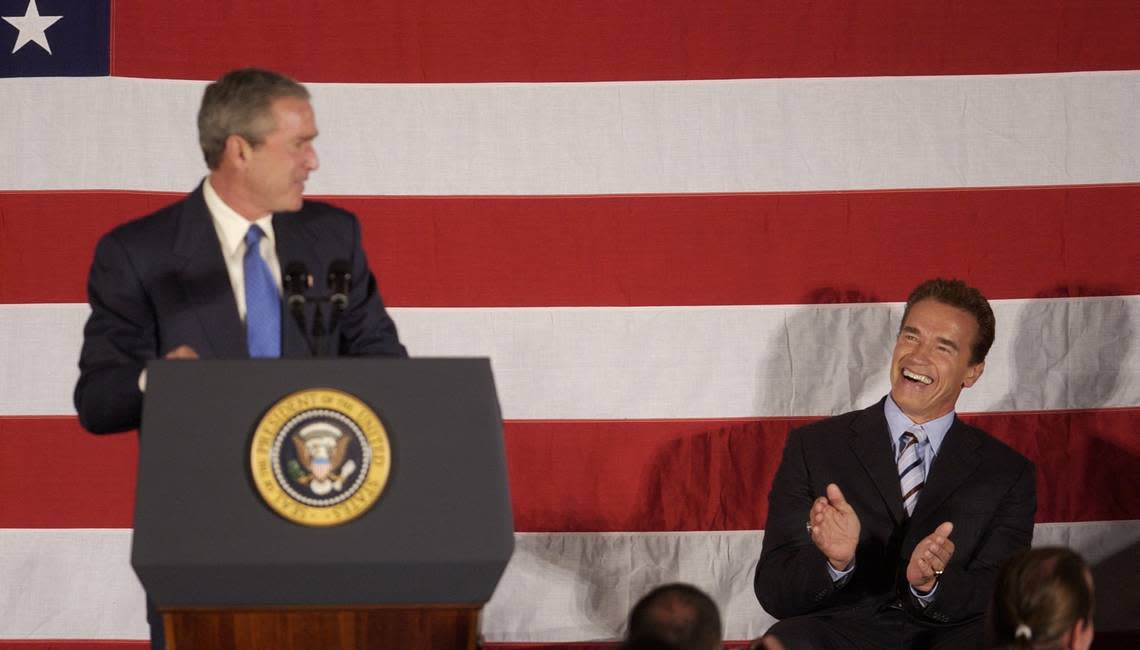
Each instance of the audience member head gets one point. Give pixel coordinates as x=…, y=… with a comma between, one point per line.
x=674, y=616
x=1043, y=599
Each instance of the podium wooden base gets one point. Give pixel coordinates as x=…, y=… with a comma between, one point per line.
x=397, y=627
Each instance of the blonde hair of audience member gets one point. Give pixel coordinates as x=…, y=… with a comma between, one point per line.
x=1043, y=599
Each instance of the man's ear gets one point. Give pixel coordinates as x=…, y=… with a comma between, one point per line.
x=973, y=373
x=1082, y=635
x=237, y=150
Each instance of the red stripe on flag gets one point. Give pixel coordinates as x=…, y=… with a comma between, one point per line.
x=503, y=40
x=593, y=476
x=663, y=250
x=65, y=477
x=1104, y=641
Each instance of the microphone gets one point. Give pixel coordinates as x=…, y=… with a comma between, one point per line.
x=340, y=281
x=295, y=281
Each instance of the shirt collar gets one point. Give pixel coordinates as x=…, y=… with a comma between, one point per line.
x=230, y=225
x=898, y=423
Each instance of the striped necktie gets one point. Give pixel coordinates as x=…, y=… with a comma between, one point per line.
x=911, y=474
x=262, y=304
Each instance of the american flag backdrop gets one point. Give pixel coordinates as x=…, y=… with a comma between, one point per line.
x=677, y=228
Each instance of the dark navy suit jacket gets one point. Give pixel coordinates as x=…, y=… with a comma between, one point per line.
x=160, y=281
x=985, y=488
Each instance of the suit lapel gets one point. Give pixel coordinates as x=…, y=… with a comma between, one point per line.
x=202, y=275
x=956, y=460
x=872, y=446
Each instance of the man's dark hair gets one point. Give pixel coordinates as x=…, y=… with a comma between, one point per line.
x=676, y=616
x=238, y=104
x=961, y=295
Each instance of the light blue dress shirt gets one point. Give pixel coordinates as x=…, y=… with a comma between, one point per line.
x=897, y=424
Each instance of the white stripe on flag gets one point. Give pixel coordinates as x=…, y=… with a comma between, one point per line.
x=77, y=583
x=688, y=362
x=753, y=135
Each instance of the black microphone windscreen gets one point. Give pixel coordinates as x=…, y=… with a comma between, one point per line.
x=340, y=280
x=296, y=279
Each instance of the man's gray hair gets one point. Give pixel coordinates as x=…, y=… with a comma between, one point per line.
x=238, y=104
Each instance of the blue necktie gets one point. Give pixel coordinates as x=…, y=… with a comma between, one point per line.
x=262, y=304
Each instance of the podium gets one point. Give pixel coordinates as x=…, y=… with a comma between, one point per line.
x=232, y=562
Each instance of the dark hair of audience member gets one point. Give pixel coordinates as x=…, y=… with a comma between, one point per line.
x=674, y=616
x=1043, y=599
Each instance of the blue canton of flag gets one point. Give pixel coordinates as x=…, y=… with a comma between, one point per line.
x=55, y=38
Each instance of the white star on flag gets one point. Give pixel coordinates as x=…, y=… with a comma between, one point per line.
x=32, y=27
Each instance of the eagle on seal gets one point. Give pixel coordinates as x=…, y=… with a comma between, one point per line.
x=322, y=449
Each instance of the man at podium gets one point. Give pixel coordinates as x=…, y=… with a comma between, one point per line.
x=203, y=277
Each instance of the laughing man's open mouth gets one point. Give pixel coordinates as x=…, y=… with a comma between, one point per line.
x=914, y=376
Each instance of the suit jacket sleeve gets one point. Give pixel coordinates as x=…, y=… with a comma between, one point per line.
x=964, y=590
x=366, y=328
x=791, y=576
x=118, y=340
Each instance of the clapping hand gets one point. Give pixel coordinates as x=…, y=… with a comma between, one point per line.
x=834, y=528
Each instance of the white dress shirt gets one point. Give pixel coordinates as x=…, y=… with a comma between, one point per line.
x=231, y=228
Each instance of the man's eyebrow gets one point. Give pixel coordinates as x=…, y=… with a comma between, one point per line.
x=948, y=343
x=909, y=329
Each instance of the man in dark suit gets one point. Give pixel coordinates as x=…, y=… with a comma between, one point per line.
x=887, y=526
x=202, y=278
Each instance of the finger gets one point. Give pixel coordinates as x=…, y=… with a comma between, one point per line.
x=934, y=547
x=182, y=352
x=819, y=510
x=944, y=551
x=924, y=570
x=932, y=560
x=835, y=495
x=936, y=564
x=944, y=530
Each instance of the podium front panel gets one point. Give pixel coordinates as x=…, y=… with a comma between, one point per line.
x=440, y=532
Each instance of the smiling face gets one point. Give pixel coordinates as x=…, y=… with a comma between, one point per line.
x=277, y=168
x=931, y=362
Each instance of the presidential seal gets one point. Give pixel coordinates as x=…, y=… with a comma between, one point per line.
x=320, y=457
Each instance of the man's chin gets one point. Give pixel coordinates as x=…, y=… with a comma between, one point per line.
x=290, y=206
x=916, y=408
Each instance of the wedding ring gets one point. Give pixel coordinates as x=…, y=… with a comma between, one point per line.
x=938, y=572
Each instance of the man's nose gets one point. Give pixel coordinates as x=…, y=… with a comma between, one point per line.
x=922, y=352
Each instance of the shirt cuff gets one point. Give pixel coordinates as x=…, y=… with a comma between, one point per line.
x=924, y=599
x=840, y=576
